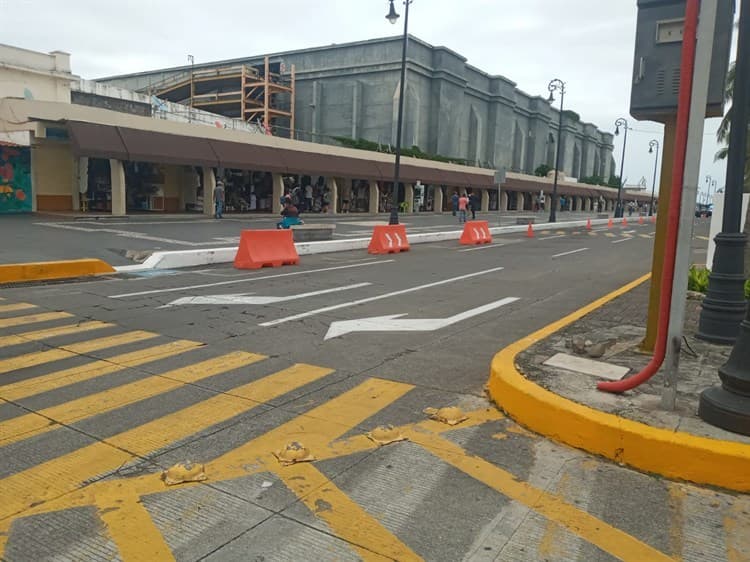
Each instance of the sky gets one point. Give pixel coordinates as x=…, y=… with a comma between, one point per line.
x=586, y=43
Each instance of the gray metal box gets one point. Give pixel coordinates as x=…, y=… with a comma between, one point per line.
x=658, y=49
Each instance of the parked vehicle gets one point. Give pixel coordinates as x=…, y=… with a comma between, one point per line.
x=704, y=210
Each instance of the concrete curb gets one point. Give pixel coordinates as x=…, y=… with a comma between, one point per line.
x=47, y=270
x=672, y=454
x=193, y=258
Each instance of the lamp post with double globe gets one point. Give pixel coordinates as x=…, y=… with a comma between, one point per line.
x=651, y=145
x=621, y=122
x=556, y=85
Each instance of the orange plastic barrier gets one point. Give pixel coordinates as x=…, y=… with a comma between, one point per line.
x=476, y=232
x=388, y=239
x=265, y=248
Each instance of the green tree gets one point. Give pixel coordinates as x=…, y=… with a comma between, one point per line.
x=722, y=136
x=542, y=170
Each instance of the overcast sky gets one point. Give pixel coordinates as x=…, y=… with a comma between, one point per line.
x=586, y=43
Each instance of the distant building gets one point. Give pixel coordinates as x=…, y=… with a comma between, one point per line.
x=451, y=109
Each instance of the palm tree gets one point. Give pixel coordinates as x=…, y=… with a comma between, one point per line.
x=722, y=136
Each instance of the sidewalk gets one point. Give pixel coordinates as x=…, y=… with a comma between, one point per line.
x=630, y=428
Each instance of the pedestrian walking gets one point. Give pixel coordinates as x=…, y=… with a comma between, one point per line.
x=474, y=205
x=308, y=198
x=219, y=200
x=454, y=202
x=463, y=203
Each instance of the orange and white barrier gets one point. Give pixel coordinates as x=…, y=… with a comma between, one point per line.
x=388, y=239
x=476, y=232
x=265, y=248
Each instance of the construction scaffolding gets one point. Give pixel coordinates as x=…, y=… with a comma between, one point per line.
x=261, y=94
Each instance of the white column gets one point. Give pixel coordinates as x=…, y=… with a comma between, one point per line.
x=374, y=197
x=117, y=173
x=503, y=200
x=437, y=203
x=277, y=191
x=409, y=197
x=485, y=200
x=209, y=183
x=333, y=195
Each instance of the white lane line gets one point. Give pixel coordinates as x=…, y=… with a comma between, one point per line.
x=621, y=240
x=376, y=298
x=482, y=247
x=246, y=280
x=551, y=237
x=571, y=252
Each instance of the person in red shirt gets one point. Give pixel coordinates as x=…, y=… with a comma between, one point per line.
x=463, y=203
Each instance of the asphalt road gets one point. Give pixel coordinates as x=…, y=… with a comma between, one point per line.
x=226, y=367
x=45, y=237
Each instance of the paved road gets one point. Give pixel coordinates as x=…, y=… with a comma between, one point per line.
x=44, y=237
x=106, y=383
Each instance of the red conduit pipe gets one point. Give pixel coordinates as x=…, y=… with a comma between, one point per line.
x=678, y=173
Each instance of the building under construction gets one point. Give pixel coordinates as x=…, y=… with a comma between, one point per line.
x=262, y=94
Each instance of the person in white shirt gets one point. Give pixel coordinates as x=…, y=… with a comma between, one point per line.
x=308, y=197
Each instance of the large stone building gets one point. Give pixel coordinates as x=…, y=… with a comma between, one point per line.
x=452, y=108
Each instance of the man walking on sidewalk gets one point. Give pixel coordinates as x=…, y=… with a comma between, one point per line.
x=219, y=199
x=473, y=205
x=454, y=202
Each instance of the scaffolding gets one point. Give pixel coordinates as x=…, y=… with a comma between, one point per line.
x=261, y=94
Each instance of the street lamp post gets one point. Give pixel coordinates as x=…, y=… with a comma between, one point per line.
x=728, y=405
x=710, y=182
x=392, y=17
x=191, y=58
x=651, y=145
x=559, y=85
x=621, y=122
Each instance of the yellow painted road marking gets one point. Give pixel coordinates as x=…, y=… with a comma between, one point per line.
x=316, y=429
x=16, y=307
x=608, y=538
x=346, y=519
x=58, y=379
x=32, y=319
x=132, y=530
x=7, y=341
x=609, y=235
x=65, y=352
x=30, y=425
x=66, y=473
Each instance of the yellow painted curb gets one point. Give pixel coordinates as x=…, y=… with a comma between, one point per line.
x=41, y=271
x=672, y=454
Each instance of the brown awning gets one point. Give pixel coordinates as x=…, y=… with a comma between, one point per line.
x=330, y=165
x=163, y=148
x=96, y=141
x=248, y=156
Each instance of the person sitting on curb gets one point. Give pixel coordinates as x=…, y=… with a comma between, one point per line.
x=290, y=216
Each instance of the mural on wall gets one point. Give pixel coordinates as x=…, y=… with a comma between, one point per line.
x=15, y=179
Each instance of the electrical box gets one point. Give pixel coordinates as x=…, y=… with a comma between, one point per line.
x=658, y=53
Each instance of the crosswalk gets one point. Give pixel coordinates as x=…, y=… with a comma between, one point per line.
x=91, y=413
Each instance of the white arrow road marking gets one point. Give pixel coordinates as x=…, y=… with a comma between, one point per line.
x=398, y=238
x=390, y=240
x=245, y=298
x=394, y=322
x=376, y=298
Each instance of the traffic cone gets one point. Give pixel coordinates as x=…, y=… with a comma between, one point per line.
x=640, y=220
x=588, y=224
x=611, y=223
x=530, y=231
x=624, y=221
